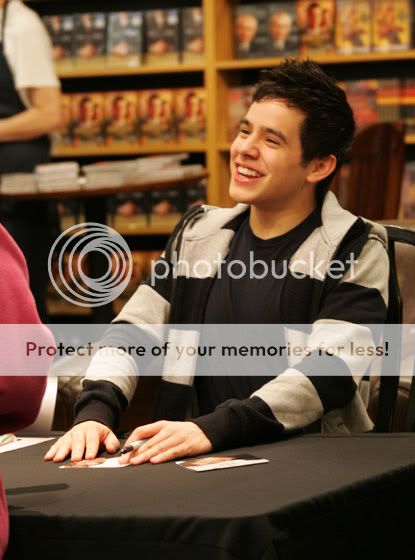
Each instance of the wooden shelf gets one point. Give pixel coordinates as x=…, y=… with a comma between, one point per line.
x=102, y=151
x=241, y=64
x=224, y=147
x=100, y=71
x=145, y=230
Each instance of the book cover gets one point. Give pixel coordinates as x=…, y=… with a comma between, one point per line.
x=388, y=100
x=193, y=49
x=162, y=37
x=121, y=118
x=90, y=39
x=361, y=95
x=127, y=212
x=391, y=25
x=87, y=118
x=191, y=114
x=316, y=24
x=407, y=202
x=282, y=29
x=353, y=26
x=61, y=31
x=157, y=116
x=125, y=39
x=64, y=135
x=250, y=30
x=239, y=100
x=167, y=207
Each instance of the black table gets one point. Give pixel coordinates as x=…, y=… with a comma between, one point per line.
x=334, y=496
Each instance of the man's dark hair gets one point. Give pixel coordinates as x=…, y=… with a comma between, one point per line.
x=329, y=126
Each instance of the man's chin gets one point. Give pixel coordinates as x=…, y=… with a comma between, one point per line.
x=238, y=194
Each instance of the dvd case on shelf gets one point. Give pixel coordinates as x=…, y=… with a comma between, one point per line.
x=157, y=116
x=190, y=109
x=87, y=110
x=90, y=39
x=121, y=118
x=391, y=25
x=125, y=39
x=162, y=37
x=353, y=26
x=250, y=30
x=282, y=29
x=61, y=31
x=193, y=50
x=316, y=23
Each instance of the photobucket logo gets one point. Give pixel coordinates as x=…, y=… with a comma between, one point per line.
x=68, y=266
x=256, y=269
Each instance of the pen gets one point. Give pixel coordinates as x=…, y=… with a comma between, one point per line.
x=7, y=438
x=133, y=446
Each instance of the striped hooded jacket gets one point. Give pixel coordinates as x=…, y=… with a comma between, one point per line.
x=288, y=402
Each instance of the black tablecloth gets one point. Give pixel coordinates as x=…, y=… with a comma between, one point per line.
x=318, y=497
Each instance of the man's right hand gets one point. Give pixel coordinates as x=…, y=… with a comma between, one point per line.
x=84, y=438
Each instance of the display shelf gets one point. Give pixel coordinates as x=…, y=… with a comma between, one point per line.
x=96, y=72
x=115, y=150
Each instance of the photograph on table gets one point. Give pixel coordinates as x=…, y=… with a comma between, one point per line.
x=192, y=38
x=162, y=37
x=282, y=29
x=316, y=24
x=211, y=463
x=121, y=117
x=61, y=31
x=391, y=25
x=353, y=26
x=157, y=121
x=88, y=119
x=90, y=39
x=250, y=30
x=190, y=105
x=125, y=39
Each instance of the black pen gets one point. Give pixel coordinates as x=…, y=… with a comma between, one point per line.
x=132, y=446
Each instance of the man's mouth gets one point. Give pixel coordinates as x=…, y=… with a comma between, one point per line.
x=247, y=172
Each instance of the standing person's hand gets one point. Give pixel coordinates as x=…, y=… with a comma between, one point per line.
x=167, y=440
x=84, y=438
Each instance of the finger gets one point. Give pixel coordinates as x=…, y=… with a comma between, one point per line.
x=170, y=454
x=111, y=442
x=144, y=432
x=78, y=444
x=162, y=435
x=91, y=444
x=51, y=451
x=63, y=449
x=161, y=447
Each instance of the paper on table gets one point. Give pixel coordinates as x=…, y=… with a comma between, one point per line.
x=213, y=462
x=98, y=463
x=19, y=443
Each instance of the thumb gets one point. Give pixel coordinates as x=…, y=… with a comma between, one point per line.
x=111, y=442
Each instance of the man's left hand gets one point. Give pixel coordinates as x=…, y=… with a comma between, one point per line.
x=166, y=441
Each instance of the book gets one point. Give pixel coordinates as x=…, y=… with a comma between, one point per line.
x=388, y=100
x=121, y=117
x=157, y=122
x=316, y=24
x=162, y=37
x=192, y=39
x=250, y=30
x=63, y=137
x=128, y=211
x=190, y=109
x=353, y=26
x=239, y=100
x=407, y=202
x=167, y=207
x=125, y=39
x=361, y=95
x=90, y=39
x=61, y=31
x=391, y=25
x=282, y=29
x=87, y=111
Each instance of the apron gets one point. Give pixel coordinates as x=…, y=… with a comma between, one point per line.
x=31, y=223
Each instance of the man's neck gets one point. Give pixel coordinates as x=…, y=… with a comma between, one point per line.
x=267, y=223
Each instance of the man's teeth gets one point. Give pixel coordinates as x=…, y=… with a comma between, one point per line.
x=249, y=172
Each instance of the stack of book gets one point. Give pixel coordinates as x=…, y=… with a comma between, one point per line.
x=57, y=176
x=127, y=39
x=18, y=183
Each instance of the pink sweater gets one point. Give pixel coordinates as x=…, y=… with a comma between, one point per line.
x=20, y=397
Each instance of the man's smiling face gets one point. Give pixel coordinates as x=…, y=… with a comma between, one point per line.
x=266, y=156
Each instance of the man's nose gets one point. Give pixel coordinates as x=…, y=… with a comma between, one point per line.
x=249, y=147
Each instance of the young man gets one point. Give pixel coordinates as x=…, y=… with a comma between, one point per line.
x=291, y=142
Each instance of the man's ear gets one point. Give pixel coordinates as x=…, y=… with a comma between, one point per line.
x=320, y=168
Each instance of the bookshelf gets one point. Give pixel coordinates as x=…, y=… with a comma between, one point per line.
x=219, y=72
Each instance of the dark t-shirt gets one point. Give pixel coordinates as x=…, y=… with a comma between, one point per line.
x=247, y=298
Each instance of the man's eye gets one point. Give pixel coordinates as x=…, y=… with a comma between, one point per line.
x=243, y=131
x=272, y=141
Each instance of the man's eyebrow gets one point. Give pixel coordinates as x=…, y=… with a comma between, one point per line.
x=273, y=131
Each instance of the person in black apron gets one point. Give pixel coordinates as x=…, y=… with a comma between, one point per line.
x=33, y=224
